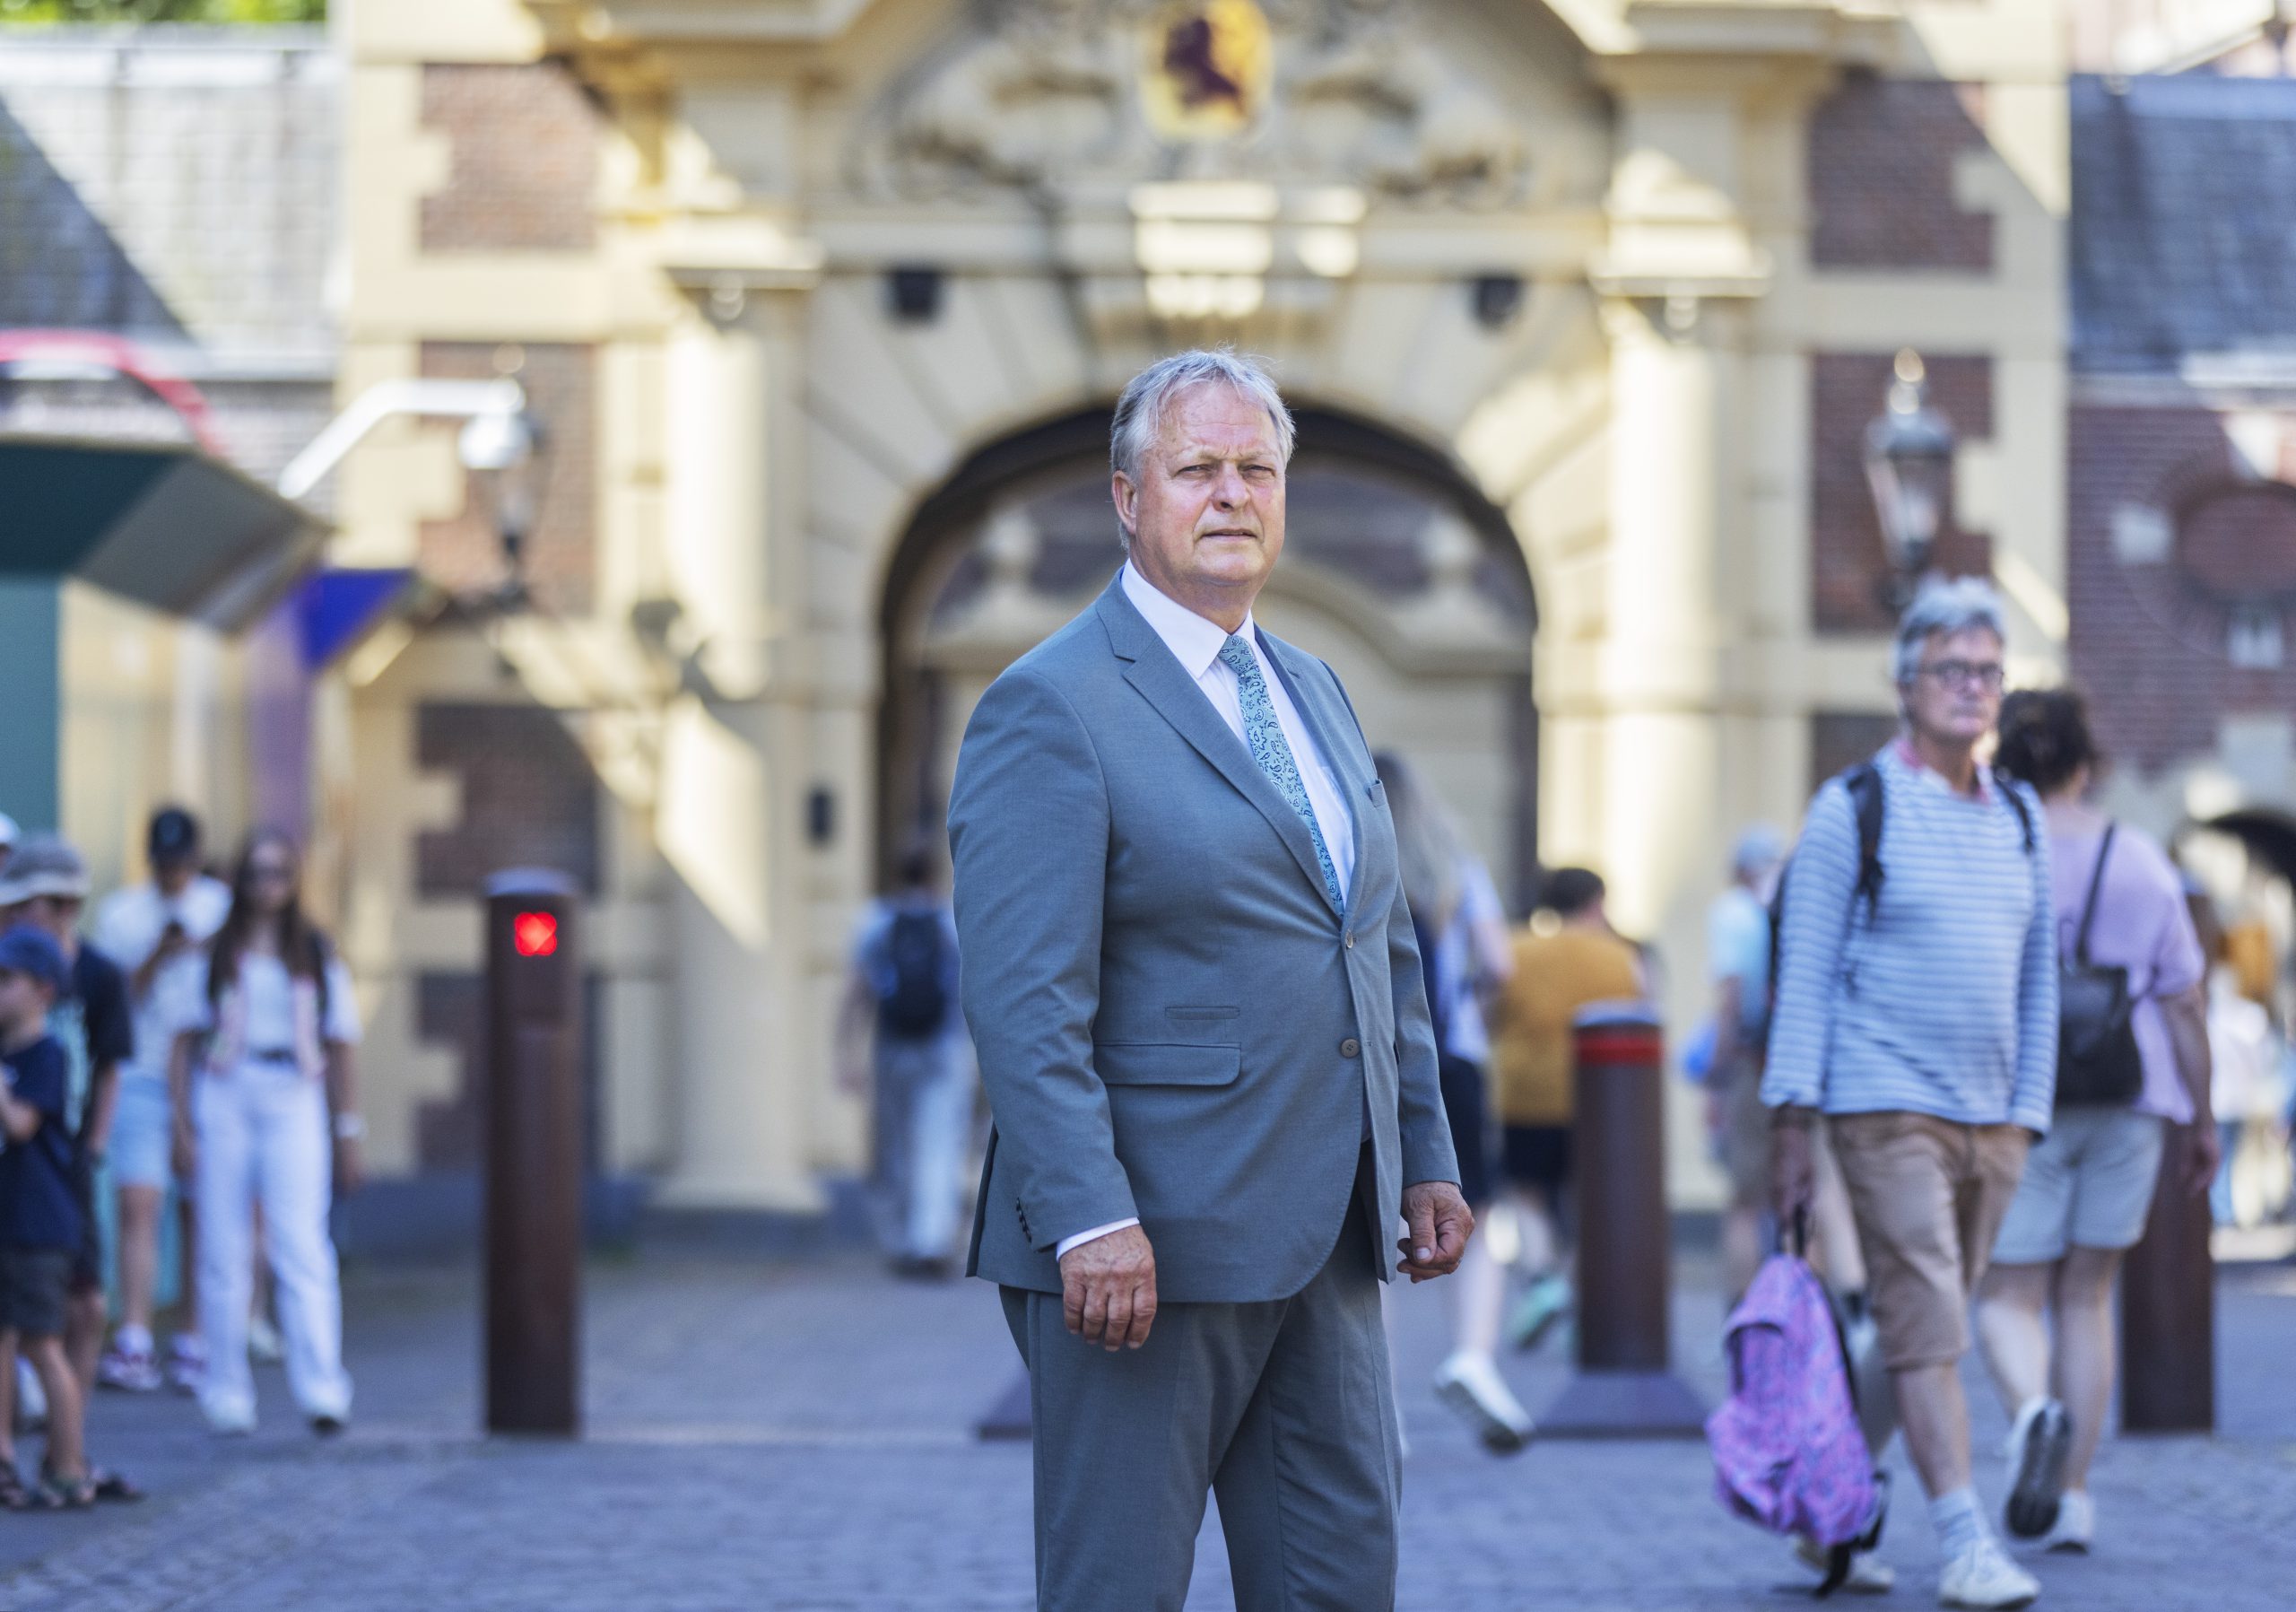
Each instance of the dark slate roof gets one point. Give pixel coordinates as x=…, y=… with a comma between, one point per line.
x=2183, y=235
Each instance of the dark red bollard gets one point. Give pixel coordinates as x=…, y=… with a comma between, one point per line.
x=1624, y=1387
x=2167, y=1313
x=533, y=1156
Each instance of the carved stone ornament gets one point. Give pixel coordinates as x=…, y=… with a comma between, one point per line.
x=1053, y=96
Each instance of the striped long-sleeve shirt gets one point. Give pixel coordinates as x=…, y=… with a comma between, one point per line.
x=1944, y=1000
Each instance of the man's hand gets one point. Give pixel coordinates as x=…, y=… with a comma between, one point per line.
x=1793, y=1167
x=1440, y=1225
x=1107, y=1289
x=2204, y=1153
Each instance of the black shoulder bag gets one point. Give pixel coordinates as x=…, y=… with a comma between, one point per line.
x=2098, y=1064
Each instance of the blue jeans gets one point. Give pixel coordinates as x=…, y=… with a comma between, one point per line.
x=923, y=1124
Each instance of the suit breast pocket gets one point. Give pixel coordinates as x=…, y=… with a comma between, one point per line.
x=1140, y=1063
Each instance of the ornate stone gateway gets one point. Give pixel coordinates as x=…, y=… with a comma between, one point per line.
x=849, y=284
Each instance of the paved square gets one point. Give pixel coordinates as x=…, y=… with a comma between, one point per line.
x=796, y=1437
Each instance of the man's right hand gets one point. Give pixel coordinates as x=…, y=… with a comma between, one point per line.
x=1793, y=1169
x=1107, y=1289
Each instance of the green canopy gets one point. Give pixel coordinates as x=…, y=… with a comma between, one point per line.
x=163, y=524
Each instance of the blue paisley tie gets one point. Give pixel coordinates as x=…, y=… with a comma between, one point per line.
x=1265, y=734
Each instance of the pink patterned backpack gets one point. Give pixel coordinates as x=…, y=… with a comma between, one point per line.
x=1787, y=1451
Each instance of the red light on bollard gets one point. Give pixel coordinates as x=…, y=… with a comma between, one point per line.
x=534, y=934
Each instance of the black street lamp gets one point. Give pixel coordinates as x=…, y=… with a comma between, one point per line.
x=1910, y=466
x=502, y=453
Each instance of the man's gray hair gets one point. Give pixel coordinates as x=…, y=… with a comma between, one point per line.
x=1945, y=607
x=1139, y=411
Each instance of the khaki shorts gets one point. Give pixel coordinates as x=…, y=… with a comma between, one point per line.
x=1930, y=1195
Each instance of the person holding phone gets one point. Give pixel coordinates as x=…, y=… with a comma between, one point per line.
x=154, y=929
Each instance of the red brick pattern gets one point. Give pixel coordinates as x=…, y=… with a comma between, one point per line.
x=529, y=797
x=1882, y=153
x=465, y=553
x=1849, y=567
x=524, y=177
x=2147, y=647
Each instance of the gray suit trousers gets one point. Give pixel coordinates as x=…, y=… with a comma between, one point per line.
x=1285, y=1408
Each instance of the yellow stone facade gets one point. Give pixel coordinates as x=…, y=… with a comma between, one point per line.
x=765, y=434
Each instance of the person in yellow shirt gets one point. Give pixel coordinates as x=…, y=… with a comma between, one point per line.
x=1567, y=957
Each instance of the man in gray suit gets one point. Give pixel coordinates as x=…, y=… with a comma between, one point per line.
x=1191, y=979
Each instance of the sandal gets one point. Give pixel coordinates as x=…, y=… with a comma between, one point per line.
x=114, y=1485
x=55, y=1494
x=14, y=1495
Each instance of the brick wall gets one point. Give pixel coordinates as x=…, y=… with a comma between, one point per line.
x=1848, y=564
x=524, y=173
x=529, y=797
x=2147, y=647
x=1881, y=155
x=465, y=553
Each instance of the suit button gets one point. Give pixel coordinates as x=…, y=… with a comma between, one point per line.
x=1350, y=940
x=1350, y=1048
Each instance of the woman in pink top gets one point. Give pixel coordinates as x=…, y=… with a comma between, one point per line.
x=2088, y=1187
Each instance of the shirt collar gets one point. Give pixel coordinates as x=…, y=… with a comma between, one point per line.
x=1902, y=748
x=1194, y=641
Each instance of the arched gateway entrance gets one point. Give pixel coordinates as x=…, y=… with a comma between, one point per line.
x=1395, y=568
x=830, y=326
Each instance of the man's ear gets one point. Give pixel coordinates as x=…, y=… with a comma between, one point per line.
x=1127, y=498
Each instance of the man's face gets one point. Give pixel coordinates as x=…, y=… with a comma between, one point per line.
x=1955, y=696
x=1206, y=515
x=173, y=874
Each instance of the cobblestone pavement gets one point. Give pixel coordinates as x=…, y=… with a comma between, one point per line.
x=797, y=1437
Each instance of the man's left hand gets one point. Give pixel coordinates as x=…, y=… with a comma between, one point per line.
x=1440, y=1225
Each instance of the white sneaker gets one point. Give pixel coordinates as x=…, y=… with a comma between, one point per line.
x=2077, y=1523
x=230, y=1421
x=1471, y=1385
x=1869, y=1574
x=1983, y=1576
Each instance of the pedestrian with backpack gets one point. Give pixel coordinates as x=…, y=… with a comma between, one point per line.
x=902, y=1003
x=1917, y=1011
x=2132, y=1066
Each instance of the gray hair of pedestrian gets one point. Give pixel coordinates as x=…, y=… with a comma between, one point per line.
x=1429, y=849
x=1942, y=608
x=1140, y=407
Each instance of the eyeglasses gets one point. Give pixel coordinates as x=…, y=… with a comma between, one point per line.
x=1963, y=674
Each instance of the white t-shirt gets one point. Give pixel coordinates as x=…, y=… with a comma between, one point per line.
x=269, y=992
x=128, y=926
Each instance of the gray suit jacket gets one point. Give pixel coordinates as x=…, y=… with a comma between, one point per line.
x=1172, y=1019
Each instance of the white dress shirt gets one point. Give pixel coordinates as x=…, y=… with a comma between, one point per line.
x=1196, y=643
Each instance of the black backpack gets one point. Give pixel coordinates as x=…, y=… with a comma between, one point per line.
x=918, y=1001
x=1863, y=782
x=2098, y=1064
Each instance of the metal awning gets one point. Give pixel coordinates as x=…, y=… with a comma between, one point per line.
x=163, y=524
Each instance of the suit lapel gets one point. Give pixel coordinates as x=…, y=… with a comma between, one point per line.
x=1333, y=730
x=1152, y=670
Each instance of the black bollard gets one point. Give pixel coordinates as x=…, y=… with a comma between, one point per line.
x=2167, y=1313
x=534, y=1154
x=1624, y=1387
